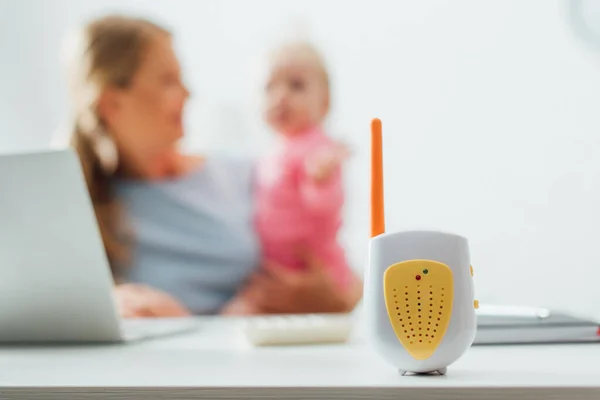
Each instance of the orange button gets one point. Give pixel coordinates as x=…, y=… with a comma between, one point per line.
x=476, y=304
x=471, y=268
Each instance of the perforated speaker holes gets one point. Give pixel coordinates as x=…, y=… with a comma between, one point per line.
x=427, y=311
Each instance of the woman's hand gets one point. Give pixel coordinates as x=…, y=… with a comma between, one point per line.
x=277, y=289
x=139, y=301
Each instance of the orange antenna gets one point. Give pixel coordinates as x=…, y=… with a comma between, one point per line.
x=377, y=209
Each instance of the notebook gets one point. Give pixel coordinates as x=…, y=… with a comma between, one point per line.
x=528, y=325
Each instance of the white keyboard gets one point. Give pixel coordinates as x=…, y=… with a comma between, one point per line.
x=298, y=329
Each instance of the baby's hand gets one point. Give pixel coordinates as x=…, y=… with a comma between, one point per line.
x=324, y=163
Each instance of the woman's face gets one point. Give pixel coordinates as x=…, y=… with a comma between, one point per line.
x=146, y=118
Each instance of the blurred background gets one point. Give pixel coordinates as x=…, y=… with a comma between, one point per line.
x=490, y=114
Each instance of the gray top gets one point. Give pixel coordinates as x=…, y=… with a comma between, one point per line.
x=194, y=236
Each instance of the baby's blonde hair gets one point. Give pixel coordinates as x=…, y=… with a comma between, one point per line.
x=307, y=49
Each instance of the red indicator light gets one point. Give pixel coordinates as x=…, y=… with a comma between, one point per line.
x=418, y=277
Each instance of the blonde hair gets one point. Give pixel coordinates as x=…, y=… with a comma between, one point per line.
x=107, y=53
x=307, y=49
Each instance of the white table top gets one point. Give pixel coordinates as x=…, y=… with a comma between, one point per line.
x=216, y=362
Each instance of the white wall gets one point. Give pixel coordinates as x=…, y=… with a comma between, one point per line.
x=489, y=112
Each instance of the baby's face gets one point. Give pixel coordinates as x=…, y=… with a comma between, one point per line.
x=296, y=93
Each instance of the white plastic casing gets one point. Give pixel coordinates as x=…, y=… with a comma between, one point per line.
x=452, y=250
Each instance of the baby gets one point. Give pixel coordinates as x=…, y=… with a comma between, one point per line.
x=299, y=184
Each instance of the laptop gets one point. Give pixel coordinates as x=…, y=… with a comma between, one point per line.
x=55, y=280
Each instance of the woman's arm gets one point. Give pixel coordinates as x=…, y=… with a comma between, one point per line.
x=354, y=292
x=276, y=289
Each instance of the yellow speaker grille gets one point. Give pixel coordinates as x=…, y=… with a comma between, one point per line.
x=418, y=296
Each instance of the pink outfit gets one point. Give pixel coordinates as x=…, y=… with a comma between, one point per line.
x=293, y=209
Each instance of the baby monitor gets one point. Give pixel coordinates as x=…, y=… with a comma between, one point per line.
x=419, y=294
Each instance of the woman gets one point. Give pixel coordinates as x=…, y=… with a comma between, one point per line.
x=189, y=243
